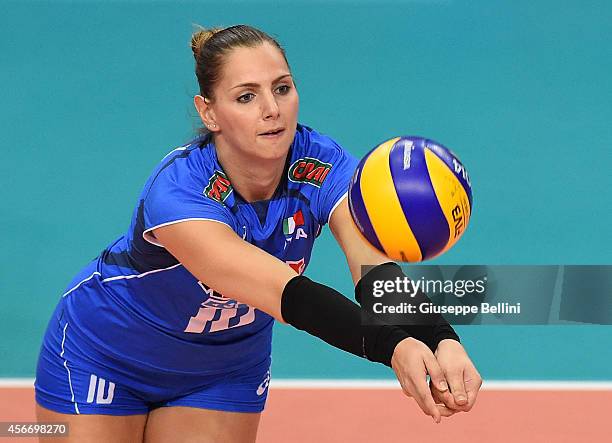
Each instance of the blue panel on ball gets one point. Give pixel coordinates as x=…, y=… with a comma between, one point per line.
x=417, y=196
x=358, y=210
x=454, y=164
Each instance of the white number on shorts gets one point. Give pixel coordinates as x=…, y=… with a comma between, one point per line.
x=97, y=385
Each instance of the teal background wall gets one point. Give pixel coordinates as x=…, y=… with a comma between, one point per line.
x=94, y=93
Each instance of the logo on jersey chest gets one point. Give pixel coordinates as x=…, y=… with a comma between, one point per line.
x=219, y=187
x=294, y=225
x=309, y=170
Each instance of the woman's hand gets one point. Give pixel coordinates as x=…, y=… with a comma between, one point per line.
x=462, y=377
x=412, y=360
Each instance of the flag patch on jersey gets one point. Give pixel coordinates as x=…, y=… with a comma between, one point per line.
x=219, y=187
x=289, y=224
x=309, y=170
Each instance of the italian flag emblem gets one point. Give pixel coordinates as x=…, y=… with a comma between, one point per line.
x=289, y=224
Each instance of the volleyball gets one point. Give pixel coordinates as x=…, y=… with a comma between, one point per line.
x=411, y=198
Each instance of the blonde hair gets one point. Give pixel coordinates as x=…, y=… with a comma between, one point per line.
x=199, y=39
x=210, y=46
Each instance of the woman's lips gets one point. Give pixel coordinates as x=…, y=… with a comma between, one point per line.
x=273, y=135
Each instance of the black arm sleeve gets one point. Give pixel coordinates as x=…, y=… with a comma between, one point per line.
x=325, y=313
x=430, y=329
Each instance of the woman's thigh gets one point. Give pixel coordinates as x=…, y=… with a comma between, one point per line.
x=224, y=411
x=95, y=428
x=182, y=424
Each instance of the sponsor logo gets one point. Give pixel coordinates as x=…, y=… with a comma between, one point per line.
x=457, y=214
x=408, y=147
x=219, y=313
x=460, y=170
x=264, y=384
x=219, y=187
x=298, y=266
x=97, y=386
x=218, y=301
x=309, y=170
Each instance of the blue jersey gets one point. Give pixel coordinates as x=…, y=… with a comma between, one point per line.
x=137, y=307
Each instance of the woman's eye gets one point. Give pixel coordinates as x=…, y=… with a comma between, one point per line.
x=283, y=89
x=245, y=98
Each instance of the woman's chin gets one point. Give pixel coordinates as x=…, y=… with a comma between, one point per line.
x=273, y=151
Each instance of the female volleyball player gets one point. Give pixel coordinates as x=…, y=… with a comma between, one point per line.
x=166, y=335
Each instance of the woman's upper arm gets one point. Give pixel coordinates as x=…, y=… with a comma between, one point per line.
x=357, y=250
x=215, y=255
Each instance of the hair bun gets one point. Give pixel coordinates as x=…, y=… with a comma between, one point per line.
x=199, y=39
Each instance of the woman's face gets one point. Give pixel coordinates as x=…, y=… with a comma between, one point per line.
x=255, y=95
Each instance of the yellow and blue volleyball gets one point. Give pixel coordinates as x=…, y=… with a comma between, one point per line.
x=411, y=198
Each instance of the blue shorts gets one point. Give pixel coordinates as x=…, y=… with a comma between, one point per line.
x=69, y=382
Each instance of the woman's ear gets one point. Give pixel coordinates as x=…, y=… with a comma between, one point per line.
x=205, y=111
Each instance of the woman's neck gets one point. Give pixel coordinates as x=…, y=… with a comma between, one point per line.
x=253, y=179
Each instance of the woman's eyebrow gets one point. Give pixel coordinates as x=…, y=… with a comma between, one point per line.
x=255, y=85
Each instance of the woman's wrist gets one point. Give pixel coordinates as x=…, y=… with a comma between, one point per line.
x=401, y=346
x=448, y=343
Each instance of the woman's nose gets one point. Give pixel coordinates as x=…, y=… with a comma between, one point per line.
x=270, y=107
